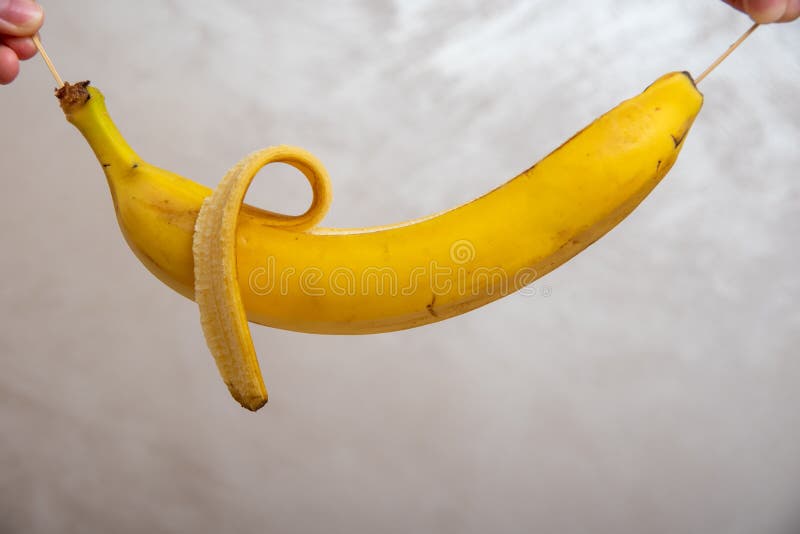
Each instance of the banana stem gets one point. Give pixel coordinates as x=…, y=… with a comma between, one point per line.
x=38, y=42
x=727, y=53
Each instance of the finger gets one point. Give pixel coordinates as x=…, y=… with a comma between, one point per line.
x=792, y=11
x=738, y=4
x=9, y=65
x=20, y=18
x=765, y=11
x=22, y=46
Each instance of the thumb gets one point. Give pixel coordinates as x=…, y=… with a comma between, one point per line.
x=20, y=18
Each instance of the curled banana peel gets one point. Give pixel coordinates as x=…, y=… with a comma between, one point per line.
x=216, y=286
x=246, y=264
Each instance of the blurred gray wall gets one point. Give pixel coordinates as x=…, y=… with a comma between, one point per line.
x=654, y=390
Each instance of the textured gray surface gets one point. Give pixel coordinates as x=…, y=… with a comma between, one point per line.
x=655, y=390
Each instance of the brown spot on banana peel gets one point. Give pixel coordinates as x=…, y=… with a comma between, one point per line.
x=431, y=305
x=679, y=140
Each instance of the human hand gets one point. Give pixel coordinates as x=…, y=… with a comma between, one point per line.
x=765, y=11
x=19, y=21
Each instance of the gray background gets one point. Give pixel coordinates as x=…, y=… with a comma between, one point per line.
x=654, y=390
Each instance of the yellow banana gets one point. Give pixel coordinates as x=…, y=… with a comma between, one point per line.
x=368, y=280
x=293, y=275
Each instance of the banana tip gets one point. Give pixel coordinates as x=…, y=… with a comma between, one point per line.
x=73, y=96
x=253, y=403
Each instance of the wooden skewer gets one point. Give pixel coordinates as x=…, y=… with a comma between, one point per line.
x=727, y=53
x=38, y=42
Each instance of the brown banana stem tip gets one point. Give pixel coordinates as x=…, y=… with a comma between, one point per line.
x=73, y=96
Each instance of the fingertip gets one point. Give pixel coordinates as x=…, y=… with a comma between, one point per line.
x=20, y=18
x=9, y=65
x=40, y=22
x=792, y=11
x=765, y=11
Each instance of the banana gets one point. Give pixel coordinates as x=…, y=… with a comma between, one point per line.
x=288, y=273
x=370, y=280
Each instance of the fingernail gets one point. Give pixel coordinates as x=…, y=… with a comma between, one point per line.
x=765, y=11
x=20, y=12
